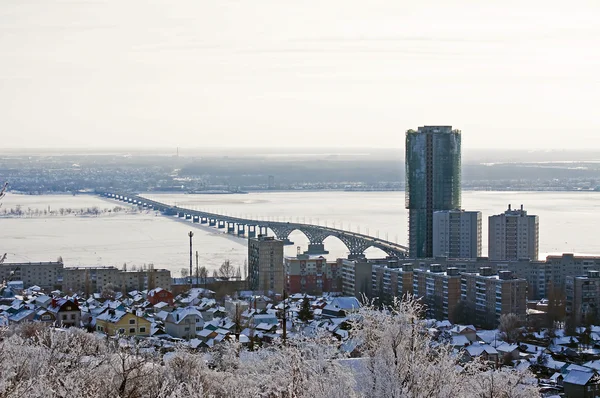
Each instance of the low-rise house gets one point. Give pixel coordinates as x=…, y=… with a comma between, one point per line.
x=579, y=384
x=508, y=351
x=184, y=323
x=160, y=295
x=113, y=322
x=43, y=315
x=66, y=312
x=468, y=331
x=21, y=316
x=484, y=351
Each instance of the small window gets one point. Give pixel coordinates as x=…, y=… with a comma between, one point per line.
x=121, y=331
x=99, y=328
x=142, y=329
x=131, y=330
x=73, y=317
x=132, y=321
x=64, y=317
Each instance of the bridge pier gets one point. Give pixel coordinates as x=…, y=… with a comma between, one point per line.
x=203, y=220
x=241, y=230
x=196, y=219
x=212, y=222
x=220, y=224
x=230, y=228
x=251, y=231
x=316, y=248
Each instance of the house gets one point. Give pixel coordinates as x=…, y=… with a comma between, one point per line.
x=579, y=384
x=468, y=331
x=510, y=351
x=184, y=323
x=113, y=322
x=66, y=312
x=23, y=315
x=43, y=315
x=484, y=351
x=341, y=306
x=160, y=295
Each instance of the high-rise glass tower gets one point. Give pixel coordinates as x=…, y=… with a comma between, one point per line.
x=432, y=182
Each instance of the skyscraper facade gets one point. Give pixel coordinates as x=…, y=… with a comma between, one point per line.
x=432, y=181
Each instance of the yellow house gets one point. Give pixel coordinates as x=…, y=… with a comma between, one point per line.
x=113, y=322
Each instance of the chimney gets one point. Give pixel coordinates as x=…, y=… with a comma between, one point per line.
x=521, y=207
x=509, y=207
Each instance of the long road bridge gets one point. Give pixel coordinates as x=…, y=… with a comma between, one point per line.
x=356, y=243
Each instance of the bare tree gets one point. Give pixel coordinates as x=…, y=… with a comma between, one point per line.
x=509, y=326
x=226, y=270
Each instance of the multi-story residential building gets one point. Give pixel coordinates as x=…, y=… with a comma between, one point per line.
x=265, y=264
x=583, y=296
x=54, y=275
x=93, y=279
x=513, y=235
x=47, y=275
x=457, y=234
x=439, y=290
x=311, y=275
x=487, y=296
x=433, y=174
x=392, y=279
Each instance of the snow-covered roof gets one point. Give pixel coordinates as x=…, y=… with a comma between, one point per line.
x=593, y=365
x=580, y=378
x=180, y=314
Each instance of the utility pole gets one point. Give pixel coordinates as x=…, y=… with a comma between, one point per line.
x=284, y=316
x=191, y=235
x=197, y=270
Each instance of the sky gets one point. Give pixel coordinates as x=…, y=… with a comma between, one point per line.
x=276, y=73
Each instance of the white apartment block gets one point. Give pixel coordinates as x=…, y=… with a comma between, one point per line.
x=457, y=234
x=513, y=235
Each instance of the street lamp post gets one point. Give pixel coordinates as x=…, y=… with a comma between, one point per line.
x=191, y=235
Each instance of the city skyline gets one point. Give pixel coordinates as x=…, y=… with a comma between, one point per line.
x=260, y=74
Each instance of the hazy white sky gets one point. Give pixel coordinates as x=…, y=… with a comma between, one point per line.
x=298, y=73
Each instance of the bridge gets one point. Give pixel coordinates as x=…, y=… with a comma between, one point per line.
x=356, y=243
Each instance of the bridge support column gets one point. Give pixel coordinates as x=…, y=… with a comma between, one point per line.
x=316, y=248
x=196, y=219
x=203, y=220
x=231, y=228
x=241, y=230
x=212, y=222
x=262, y=230
x=251, y=231
x=221, y=224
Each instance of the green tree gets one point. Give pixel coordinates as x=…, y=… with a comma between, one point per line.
x=306, y=313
